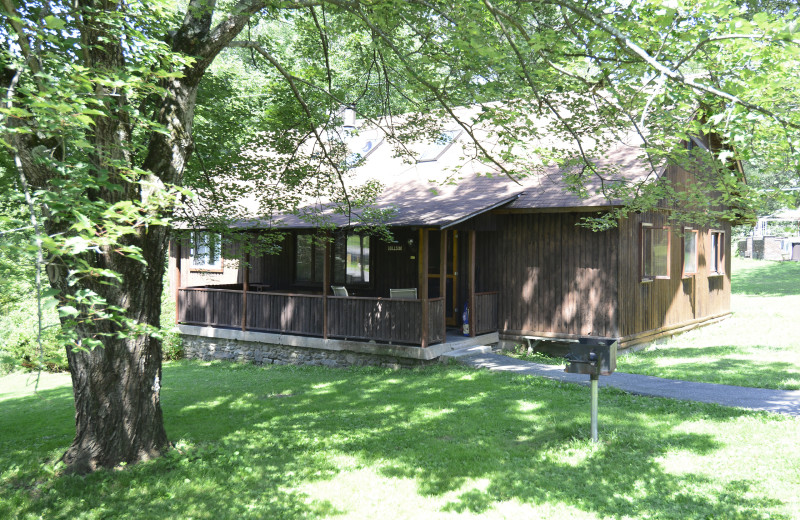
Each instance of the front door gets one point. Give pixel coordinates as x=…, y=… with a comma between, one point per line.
x=435, y=272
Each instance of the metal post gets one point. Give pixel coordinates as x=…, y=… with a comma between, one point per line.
x=594, y=378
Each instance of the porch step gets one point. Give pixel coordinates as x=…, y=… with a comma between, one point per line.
x=468, y=351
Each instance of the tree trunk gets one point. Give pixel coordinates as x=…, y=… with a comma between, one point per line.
x=117, y=386
x=117, y=404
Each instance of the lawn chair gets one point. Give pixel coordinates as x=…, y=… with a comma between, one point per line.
x=339, y=290
x=403, y=294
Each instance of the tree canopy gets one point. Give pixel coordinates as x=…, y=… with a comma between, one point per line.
x=113, y=112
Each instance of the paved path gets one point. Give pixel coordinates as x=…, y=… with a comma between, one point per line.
x=778, y=401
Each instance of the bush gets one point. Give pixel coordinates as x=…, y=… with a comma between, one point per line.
x=172, y=345
x=19, y=347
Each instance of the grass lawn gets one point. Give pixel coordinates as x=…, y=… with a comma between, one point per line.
x=289, y=442
x=758, y=346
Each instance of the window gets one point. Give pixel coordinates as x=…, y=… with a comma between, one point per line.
x=439, y=146
x=309, y=258
x=689, y=252
x=350, y=259
x=655, y=252
x=205, y=251
x=716, y=254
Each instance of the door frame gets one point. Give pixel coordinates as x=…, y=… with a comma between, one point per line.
x=452, y=243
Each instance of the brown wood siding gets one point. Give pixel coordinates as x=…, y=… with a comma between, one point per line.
x=275, y=269
x=653, y=305
x=553, y=277
x=375, y=319
x=394, y=269
x=435, y=320
x=485, y=312
x=379, y=319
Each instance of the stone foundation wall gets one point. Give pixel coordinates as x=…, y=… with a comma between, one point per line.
x=208, y=349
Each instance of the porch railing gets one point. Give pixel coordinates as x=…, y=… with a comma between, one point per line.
x=358, y=318
x=291, y=313
x=213, y=307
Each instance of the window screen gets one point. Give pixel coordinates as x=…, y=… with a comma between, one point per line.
x=655, y=252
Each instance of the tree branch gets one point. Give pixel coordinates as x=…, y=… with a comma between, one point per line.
x=437, y=93
x=300, y=99
x=674, y=75
x=24, y=44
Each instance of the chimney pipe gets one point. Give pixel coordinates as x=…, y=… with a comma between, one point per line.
x=349, y=116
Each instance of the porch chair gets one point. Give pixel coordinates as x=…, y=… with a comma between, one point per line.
x=339, y=290
x=403, y=294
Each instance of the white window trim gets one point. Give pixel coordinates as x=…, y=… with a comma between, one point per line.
x=720, y=252
x=649, y=226
x=696, y=234
x=216, y=266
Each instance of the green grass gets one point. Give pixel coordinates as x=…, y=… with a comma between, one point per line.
x=759, y=346
x=521, y=352
x=443, y=442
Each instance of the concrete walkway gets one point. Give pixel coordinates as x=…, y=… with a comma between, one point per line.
x=777, y=401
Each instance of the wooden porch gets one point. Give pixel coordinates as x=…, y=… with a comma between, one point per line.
x=260, y=301
x=419, y=322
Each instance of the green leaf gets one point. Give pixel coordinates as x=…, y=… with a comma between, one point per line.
x=68, y=310
x=54, y=23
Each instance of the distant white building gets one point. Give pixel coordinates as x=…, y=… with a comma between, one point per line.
x=774, y=237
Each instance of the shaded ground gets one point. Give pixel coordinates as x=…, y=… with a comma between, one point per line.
x=305, y=442
x=777, y=401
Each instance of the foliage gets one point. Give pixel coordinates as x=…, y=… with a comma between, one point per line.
x=735, y=352
x=19, y=347
x=171, y=344
x=523, y=353
x=100, y=101
x=15, y=264
x=443, y=442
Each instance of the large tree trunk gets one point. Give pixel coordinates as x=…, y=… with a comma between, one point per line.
x=117, y=386
x=117, y=405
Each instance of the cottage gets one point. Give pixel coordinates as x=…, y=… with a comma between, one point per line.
x=486, y=256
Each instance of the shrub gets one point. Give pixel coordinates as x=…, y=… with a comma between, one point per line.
x=19, y=347
x=171, y=343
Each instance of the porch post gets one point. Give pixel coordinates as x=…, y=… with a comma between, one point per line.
x=471, y=282
x=423, y=290
x=443, y=281
x=245, y=288
x=177, y=280
x=326, y=274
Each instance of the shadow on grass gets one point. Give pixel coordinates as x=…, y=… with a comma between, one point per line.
x=767, y=279
x=692, y=364
x=251, y=438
